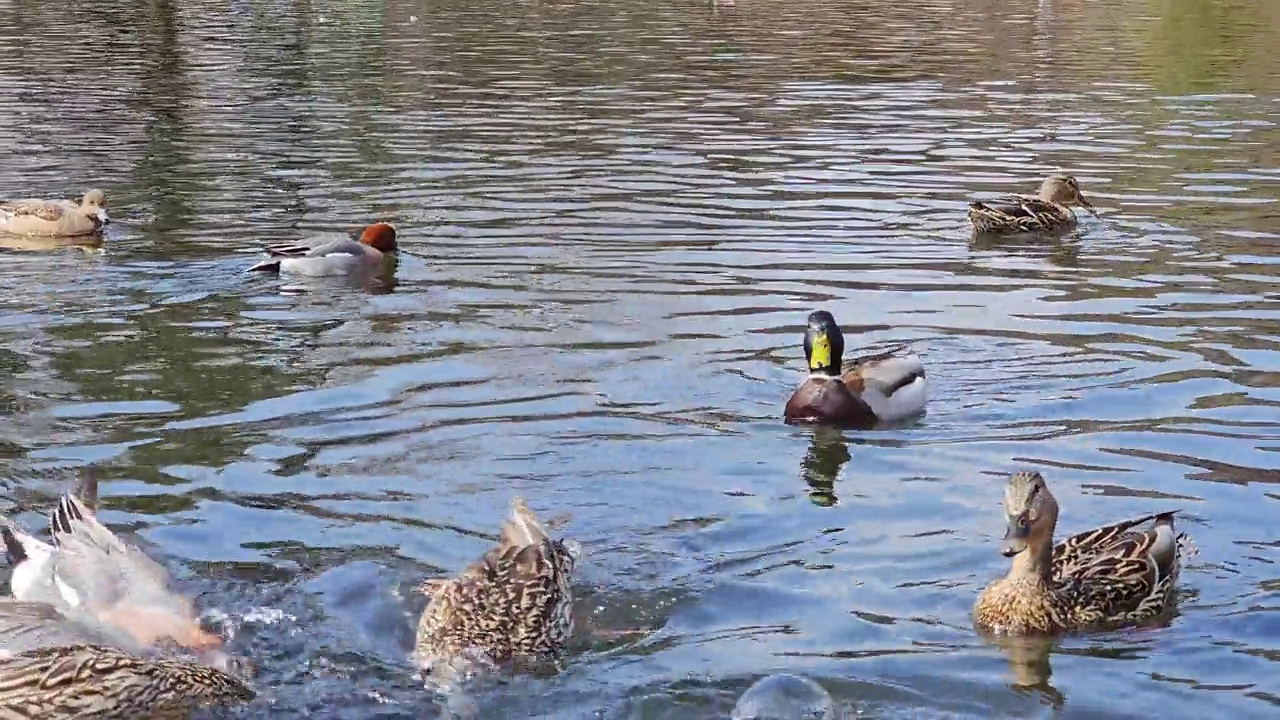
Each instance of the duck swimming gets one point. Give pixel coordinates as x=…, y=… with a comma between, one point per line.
x=336, y=257
x=88, y=572
x=54, y=667
x=1117, y=574
x=514, y=603
x=1050, y=210
x=887, y=386
x=55, y=218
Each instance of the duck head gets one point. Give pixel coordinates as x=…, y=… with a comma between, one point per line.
x=1032, y=513
x=1064, y=190
x=823, y=344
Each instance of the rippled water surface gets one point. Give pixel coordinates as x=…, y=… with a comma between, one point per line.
x=615, y=218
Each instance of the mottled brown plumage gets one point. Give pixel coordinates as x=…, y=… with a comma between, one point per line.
x=885, y=386
x=1050, y=210
x=514, y=603
x=96, y=681
x=1113, y=575
x=55, y=667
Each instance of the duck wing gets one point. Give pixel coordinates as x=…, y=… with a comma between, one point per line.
x=42, y=209
x=26, y=626
x=888, y=371
x=1120, y=572
x=341, y=246
x=1016, y=212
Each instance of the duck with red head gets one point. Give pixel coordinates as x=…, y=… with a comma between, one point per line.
x=887, y=386
x=366, y=251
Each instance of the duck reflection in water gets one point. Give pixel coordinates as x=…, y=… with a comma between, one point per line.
x=827, y=454
x=1029, y=667
x=1058, y=249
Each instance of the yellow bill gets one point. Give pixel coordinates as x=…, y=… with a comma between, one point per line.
x=820, y=352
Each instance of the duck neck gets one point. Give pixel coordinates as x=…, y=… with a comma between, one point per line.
x=1034, y=564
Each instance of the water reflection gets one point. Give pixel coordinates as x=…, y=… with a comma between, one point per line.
x=827, y=453
x=1029, y=666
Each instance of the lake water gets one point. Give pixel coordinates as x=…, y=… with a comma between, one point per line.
x=615, y=218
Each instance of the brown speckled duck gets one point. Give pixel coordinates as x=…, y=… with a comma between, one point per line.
x=52, y=667
x=1114, y=575
x=512, y=604
x=1050, y=210
x=887, y=386
x=55, y=218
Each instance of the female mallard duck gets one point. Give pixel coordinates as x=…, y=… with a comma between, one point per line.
x=1113, y=575
x=1051, y=210
x=52, y=667
x=88, y=571
x=514, y=603
x=55, y=218
x=886, y=386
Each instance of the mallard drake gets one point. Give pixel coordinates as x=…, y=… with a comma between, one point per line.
x=334, y=257
x=55, y=218
x=886, y=386
x=1114, y=575
x=53, y=667
x=514, y=603
x=89, y=571
x=1051, y=210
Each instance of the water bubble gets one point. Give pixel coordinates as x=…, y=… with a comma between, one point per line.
x=785, y=697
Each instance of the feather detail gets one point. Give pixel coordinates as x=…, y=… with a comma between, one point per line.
x=512, y=604
x=1117, y=574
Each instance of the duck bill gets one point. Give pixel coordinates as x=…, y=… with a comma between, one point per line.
x=1015, y=539
x=820, y=352
x=103, y=217
x=1088, y=206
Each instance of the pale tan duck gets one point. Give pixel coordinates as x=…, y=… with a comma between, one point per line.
x=1118, y=574
x=513, y=604
x=55, y=218
x=53, y=667
x=88, y=572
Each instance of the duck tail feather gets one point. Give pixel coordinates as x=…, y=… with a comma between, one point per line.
x=271, y=266
x=13, y=548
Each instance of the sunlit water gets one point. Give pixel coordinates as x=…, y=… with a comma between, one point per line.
x=615, y=218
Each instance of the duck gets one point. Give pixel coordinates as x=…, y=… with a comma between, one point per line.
x=515, y=603
x=55, y=218
x=886, y=386
x=1115, y=575
x=88, y=571
x=53, y=667
x=335, y=257
x=1050, y=210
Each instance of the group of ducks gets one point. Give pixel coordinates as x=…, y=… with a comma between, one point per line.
x=95, y=628
x=1120, y=573
x=368, y=249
